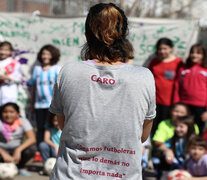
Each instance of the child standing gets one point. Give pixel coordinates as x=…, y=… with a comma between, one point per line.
x=49, y=147
x=42, y=82
x=12, y=130
x=10, y=74
x=190, y=86
x=197, y=164
x=164, y=68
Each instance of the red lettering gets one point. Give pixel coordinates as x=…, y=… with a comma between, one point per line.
x=92, y=77
x=105, y=80
x=99, y=79
x=111, y=81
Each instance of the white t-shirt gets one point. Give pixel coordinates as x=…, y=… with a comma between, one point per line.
x=104, y=108
x=16, y=136
x=9, y=89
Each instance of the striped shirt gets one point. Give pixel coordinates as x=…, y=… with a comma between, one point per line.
x=43, y=80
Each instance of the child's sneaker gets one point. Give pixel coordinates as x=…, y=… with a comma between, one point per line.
x=24, y=172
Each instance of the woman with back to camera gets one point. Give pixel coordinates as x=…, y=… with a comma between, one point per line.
x=164, y=68
x=104, y=105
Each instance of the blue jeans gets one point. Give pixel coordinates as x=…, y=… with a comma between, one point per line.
x=46, y=151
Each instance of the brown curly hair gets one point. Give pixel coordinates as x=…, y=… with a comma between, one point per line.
x=54, y=52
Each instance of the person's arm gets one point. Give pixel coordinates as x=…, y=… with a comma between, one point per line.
x=193, y=178
x=146, y=129
x=17, y=75
x=30, y=140
x=199, y=178
x=5, y=78
x=176, y=94
x=169, y=155
x=32, y=95
x=6, y=156
x=161, y=146
x=204, y=116
x=47, y=136
x=32, y=87
x=61, y=120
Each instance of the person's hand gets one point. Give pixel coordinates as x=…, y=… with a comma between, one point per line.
x=7, y=157
x=56, y=149
x=5, y=77
x=169, y=156
x=204, y=116
x=184, y=178
x=17, y=155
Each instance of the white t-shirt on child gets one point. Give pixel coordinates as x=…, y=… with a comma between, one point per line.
x=9, y=89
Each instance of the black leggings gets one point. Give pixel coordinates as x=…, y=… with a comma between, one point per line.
x=41, y=119
x=26, y=155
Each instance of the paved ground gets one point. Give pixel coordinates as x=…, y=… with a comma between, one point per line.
x=34, y=168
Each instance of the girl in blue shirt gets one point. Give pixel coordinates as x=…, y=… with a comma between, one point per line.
x=49, y=147
x=42, y=82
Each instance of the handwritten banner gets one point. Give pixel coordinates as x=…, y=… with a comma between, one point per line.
x=144, y=34
x=29, y=33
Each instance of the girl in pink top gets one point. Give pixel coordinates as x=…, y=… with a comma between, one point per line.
x=191, y=83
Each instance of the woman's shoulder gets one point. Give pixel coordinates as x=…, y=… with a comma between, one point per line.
x=71, y=64
x=138, y=67
x=139, y=71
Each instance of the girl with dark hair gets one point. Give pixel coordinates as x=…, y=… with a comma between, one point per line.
x=42, y=82
x=164, y=68
x=49, y=147
x=164, y=132
x=197, y=163
x=190, y=86
x=177, y=146
x=104, y=105
x=10, y=74
x=13, y=148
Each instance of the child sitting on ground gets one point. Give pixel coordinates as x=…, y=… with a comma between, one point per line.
x=197, y=164
x=49, y=147
x=176, y=154
x=13, y=149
